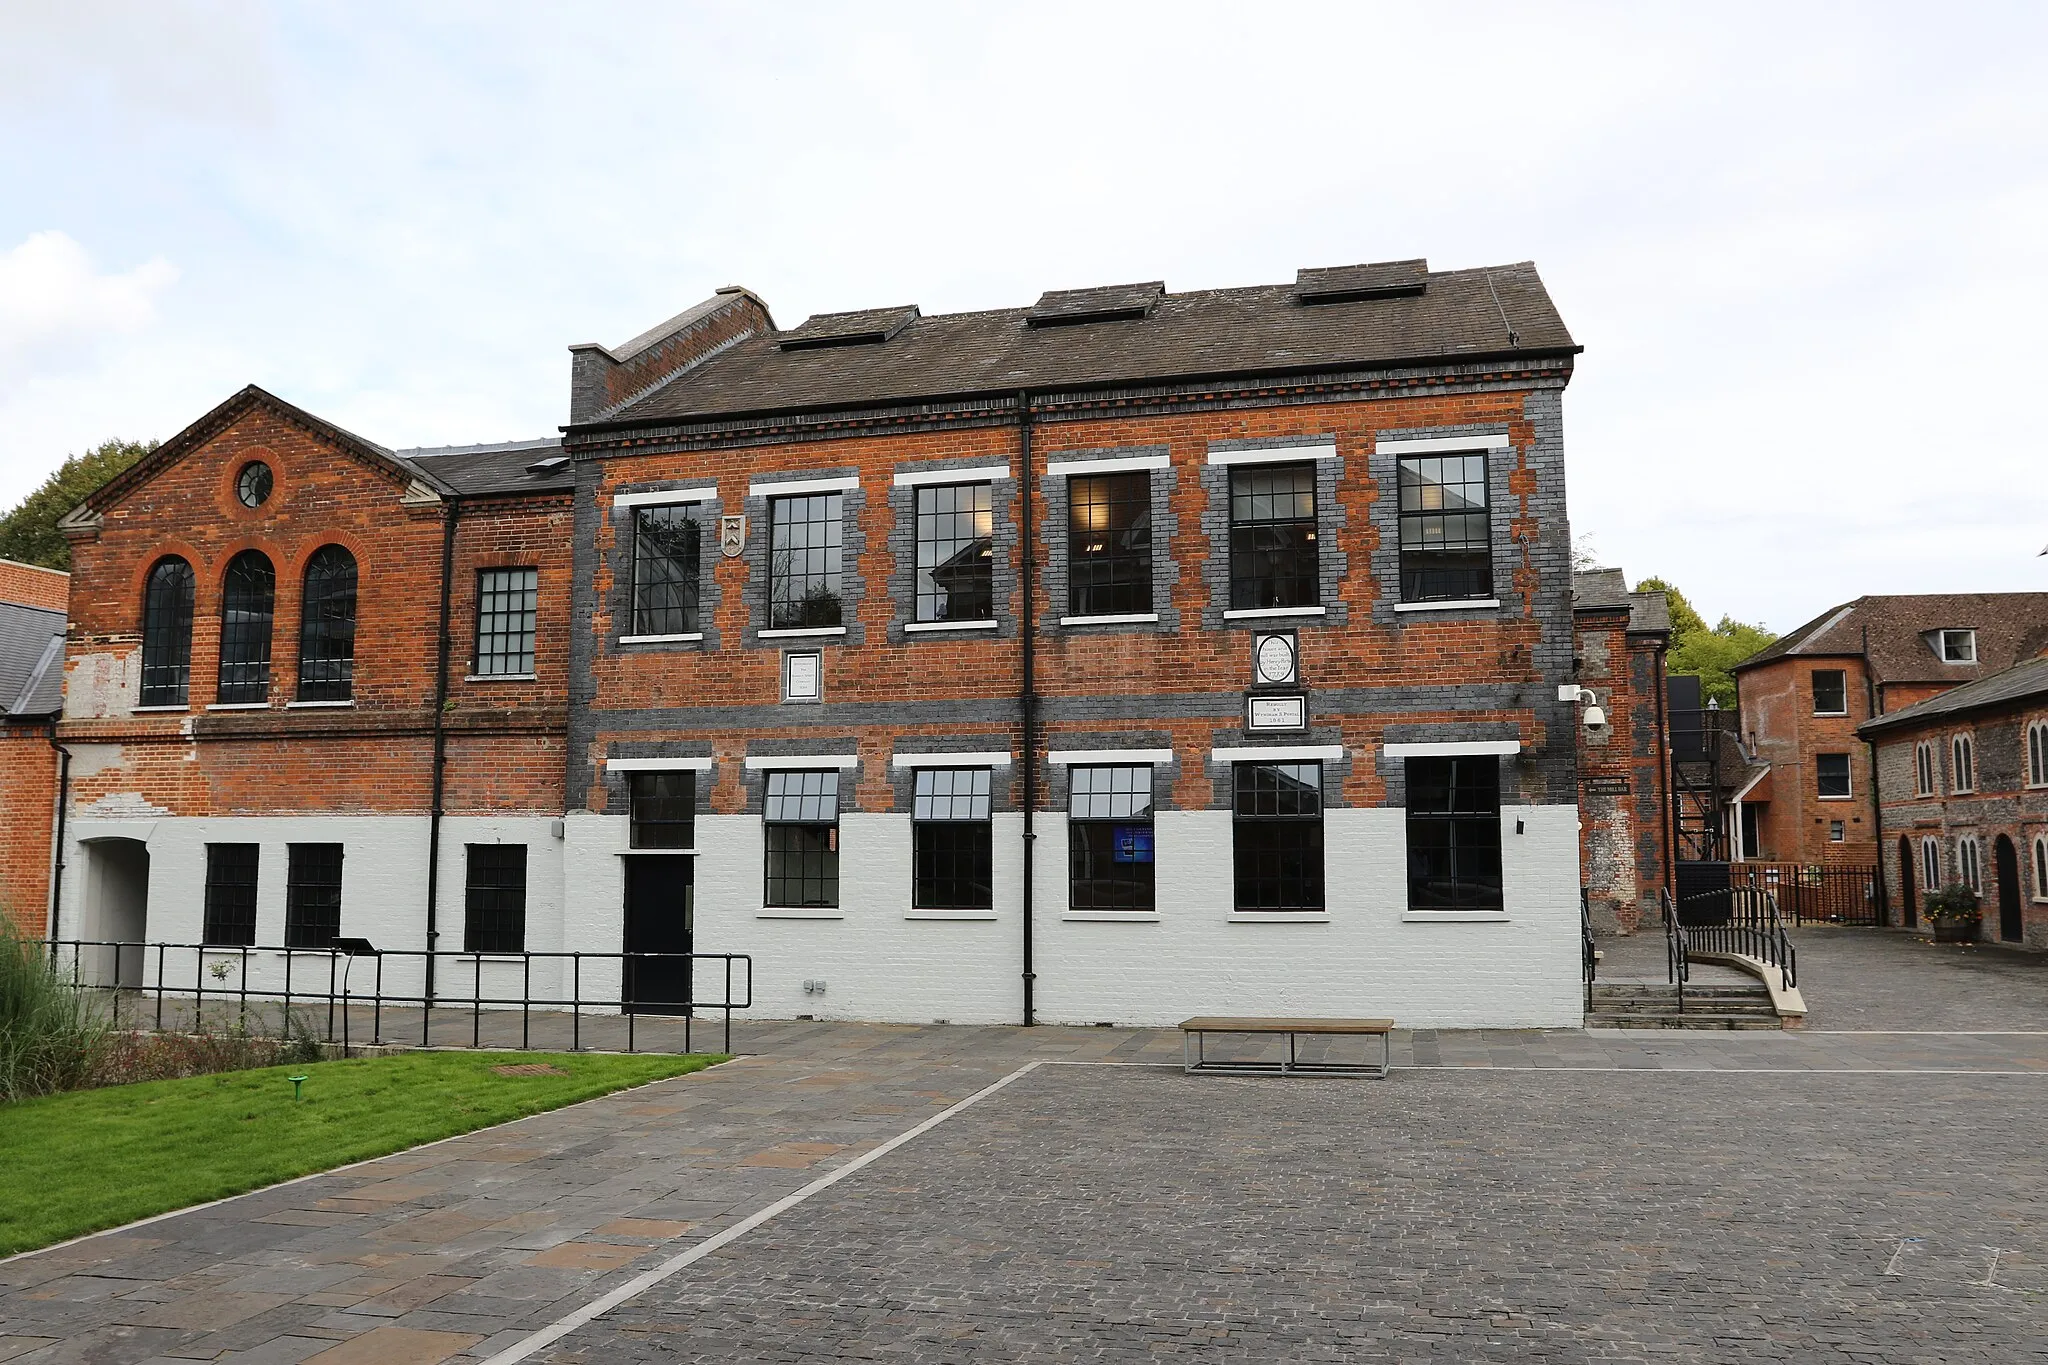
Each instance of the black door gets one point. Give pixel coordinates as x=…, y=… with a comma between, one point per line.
x=659, y=906
x=2011, y=927
x=1912, y=901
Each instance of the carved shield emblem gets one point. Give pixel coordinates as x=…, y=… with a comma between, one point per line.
x=732, y=536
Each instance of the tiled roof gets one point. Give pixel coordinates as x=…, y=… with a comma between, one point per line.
x=1156, y=337
x=1607, y=590
x=31, y=661
x=499, y=468
x=2010, y=626
x=2016, y=684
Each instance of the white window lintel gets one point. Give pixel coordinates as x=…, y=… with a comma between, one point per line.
x=987, y=473
x=663, y=497
x=1442, y=445
x=1089, y=758
x=693, y=763
x=1454, y=748
x=764, y=762
x=789, y=488
x=975, y=760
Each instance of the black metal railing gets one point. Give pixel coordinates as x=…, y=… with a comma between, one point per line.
x=1739, y=920
x=1589, y=949
x=1676, y=963
x=1815, y=893
x=587, y=987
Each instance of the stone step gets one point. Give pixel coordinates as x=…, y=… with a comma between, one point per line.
x=1682, y=1021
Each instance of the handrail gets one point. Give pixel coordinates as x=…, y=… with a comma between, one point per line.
x=1744, y=921
x=1589, y=949
x=572, y=995
x=1677, y=963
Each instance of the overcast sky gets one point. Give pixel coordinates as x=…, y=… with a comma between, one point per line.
x=1802, y=244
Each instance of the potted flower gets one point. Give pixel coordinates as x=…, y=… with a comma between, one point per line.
x=1954, y=912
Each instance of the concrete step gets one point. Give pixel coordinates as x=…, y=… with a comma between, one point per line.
x=1682, y=1021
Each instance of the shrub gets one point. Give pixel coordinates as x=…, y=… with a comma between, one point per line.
x=1955, y=901
x=52, y=1036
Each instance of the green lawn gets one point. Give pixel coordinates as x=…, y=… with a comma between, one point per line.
x=92, y=1159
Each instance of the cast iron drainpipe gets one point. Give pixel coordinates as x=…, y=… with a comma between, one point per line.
x=440, y=738
x=1027, y=699
x=63, y=801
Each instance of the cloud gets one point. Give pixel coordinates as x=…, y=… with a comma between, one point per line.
x=56, y=311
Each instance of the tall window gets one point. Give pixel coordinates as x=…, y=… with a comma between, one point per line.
x=801, y=815
x=1968, y=866
x=494, y=899
x=327, y=626
x=247, y=604
x=230, y=895
x=1923, y=768
x=1446, y=529
x=1830, y=692
x=1831, y=774
x=1277, y=836
x=663, y=809
x=1109, y=544
x=1273, y=537
x=1454, y=833
x=1930, y=863
x=2041, y=867
x=312, y=895
x=667, y=556
x=507, y=605
x=167, y=634
x=803, y=561
x=955, y=553
x=2037, y=754
x=1963, y=776
x=949, y=816
x=1109, y=838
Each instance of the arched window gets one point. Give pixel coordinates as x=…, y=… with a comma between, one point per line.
x=1923, y=768
x=327, y=626
x=1969, y=870
x=1963, y=776
x=2041, y=867
x=167, y=633
x=1930, y=863
x=247, y=602
x=2037, y=754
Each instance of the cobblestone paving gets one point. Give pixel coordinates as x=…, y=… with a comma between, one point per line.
x=1889, y=979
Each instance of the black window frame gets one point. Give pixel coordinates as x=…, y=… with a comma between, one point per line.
x=327, y=625
x=661, y=809
x=507, y=621
x=1454, y=834
x=1828, y=775
x=954, y=572
x=1269, y=829
x=1841, y=692
x=800, y=827
x=1112, y=848
x=494, y=899
x=806, y=561
x=312, y=895
x=668, y=569
x=952, y=839
x=248, y=619
x=231, y=877
x=167, y=600
x=1275, y=551
x=1109, y=543
x=1442, y=559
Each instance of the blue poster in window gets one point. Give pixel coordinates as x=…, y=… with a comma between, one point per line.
x=1133, y=843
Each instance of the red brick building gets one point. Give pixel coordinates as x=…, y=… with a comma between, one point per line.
x=32, y=602
x=1625, y=836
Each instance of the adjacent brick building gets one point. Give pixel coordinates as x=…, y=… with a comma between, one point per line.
x=1625, y=836
x=32, y=603
x=1963, y=783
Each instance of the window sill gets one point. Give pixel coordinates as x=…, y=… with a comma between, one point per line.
x=773, y=913
x=1852, y=798
x=797, y=632
x=1473, y=604
x=317, y=705
x=1263, y=613
x=155, y=710
x=501, y=677
x=919, y=627
x=238, y=706
x=1831, y=715
x=657, y=853
x=950, y=914
x=1111, y=916
x=1136, y=618
x=1279, y=917
x=684, y=638
x=1454, y=917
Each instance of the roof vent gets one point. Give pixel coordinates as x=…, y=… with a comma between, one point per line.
x=547, y=464
x=1354, y=283
x=867, y=327
x=1108, y=303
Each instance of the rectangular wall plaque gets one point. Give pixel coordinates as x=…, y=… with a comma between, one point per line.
x=1607, y=786
x=1276, y=713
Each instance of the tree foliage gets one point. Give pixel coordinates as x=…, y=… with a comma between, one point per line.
x=1708, y=653
x=29, y=533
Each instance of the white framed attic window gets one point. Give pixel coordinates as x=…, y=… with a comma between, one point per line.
x=1957, y=646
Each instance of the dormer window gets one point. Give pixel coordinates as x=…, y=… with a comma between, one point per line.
x=1957, y=646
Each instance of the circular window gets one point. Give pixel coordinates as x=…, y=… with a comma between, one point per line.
x=252, y=486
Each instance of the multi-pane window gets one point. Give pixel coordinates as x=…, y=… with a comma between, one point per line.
x=312, y=895
x=494, y=899
x=248, y=602
x=1837, y=832
x=951, y=841
x=1969, y=868
x=1830, y=692
x=1454, y=833
x=1109, y=838
x=230, y=895
x=1277, y=836
x=1446, y=529
x=801, y=817
x=803, y=561
x=1963, y=753
x=1109, y=544
x=507, y=606
x=1930, y=863
x=327, y=626
x=663, y=809
x=1831, y=774
x=167, y=634
x=1273, y=537
x=1959, y=646
x=668, y=547
x=1923, y=768
x=955, y=553
x=2037, y=754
